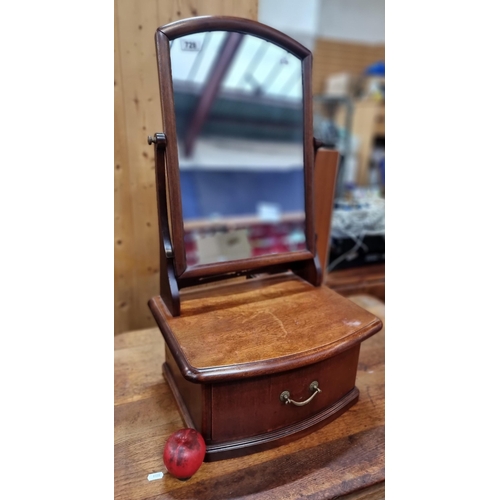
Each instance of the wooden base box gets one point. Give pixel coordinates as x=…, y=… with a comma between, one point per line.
x=263, y=361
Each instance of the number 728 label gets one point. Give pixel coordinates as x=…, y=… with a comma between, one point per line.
x=192, y=45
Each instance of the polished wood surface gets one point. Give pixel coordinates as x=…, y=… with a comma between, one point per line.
x=361, y=280
x=343, y=459
x=335, y=381
x=279, y=321
x=325, y=178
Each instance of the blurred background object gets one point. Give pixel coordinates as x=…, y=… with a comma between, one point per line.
x=346, y=38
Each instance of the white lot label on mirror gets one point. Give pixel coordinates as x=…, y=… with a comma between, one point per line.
x=194, y=45
x=154, y=476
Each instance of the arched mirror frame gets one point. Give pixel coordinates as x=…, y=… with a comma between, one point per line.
x=174, y=272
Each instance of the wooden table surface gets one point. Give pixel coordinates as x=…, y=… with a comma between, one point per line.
x=345, y=459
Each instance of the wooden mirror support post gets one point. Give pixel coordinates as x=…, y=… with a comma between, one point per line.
x=256, y=362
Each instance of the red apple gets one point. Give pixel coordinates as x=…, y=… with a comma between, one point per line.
x=184, y=453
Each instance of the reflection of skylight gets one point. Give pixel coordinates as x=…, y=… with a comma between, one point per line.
x=258, y=67
x=264, y=67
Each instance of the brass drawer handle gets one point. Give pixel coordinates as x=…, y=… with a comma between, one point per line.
x=285, y=395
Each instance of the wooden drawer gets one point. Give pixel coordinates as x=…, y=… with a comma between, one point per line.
x=253, y=407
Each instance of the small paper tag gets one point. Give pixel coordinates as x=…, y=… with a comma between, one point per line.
x=192, y=45
x=154, y=476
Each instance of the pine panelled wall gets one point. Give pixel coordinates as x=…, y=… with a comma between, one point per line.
x=137, y=115
x=331, y=56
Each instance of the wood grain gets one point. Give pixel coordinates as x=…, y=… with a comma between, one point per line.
x=344, y=459
x=367, y=280
x=261, y=326
x=123, y=226
x=141, y=110
x=255, y=407
x=325, y=177
x=137, y=115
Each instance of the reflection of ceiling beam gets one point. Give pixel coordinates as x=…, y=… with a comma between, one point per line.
x=211, y=88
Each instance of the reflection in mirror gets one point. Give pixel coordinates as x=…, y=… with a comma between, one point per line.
x=239, y=117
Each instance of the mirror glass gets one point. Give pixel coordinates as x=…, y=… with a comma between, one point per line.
x=239, y=118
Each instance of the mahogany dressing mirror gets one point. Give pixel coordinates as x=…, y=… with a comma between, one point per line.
x=234, y=165
x=251, y=363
